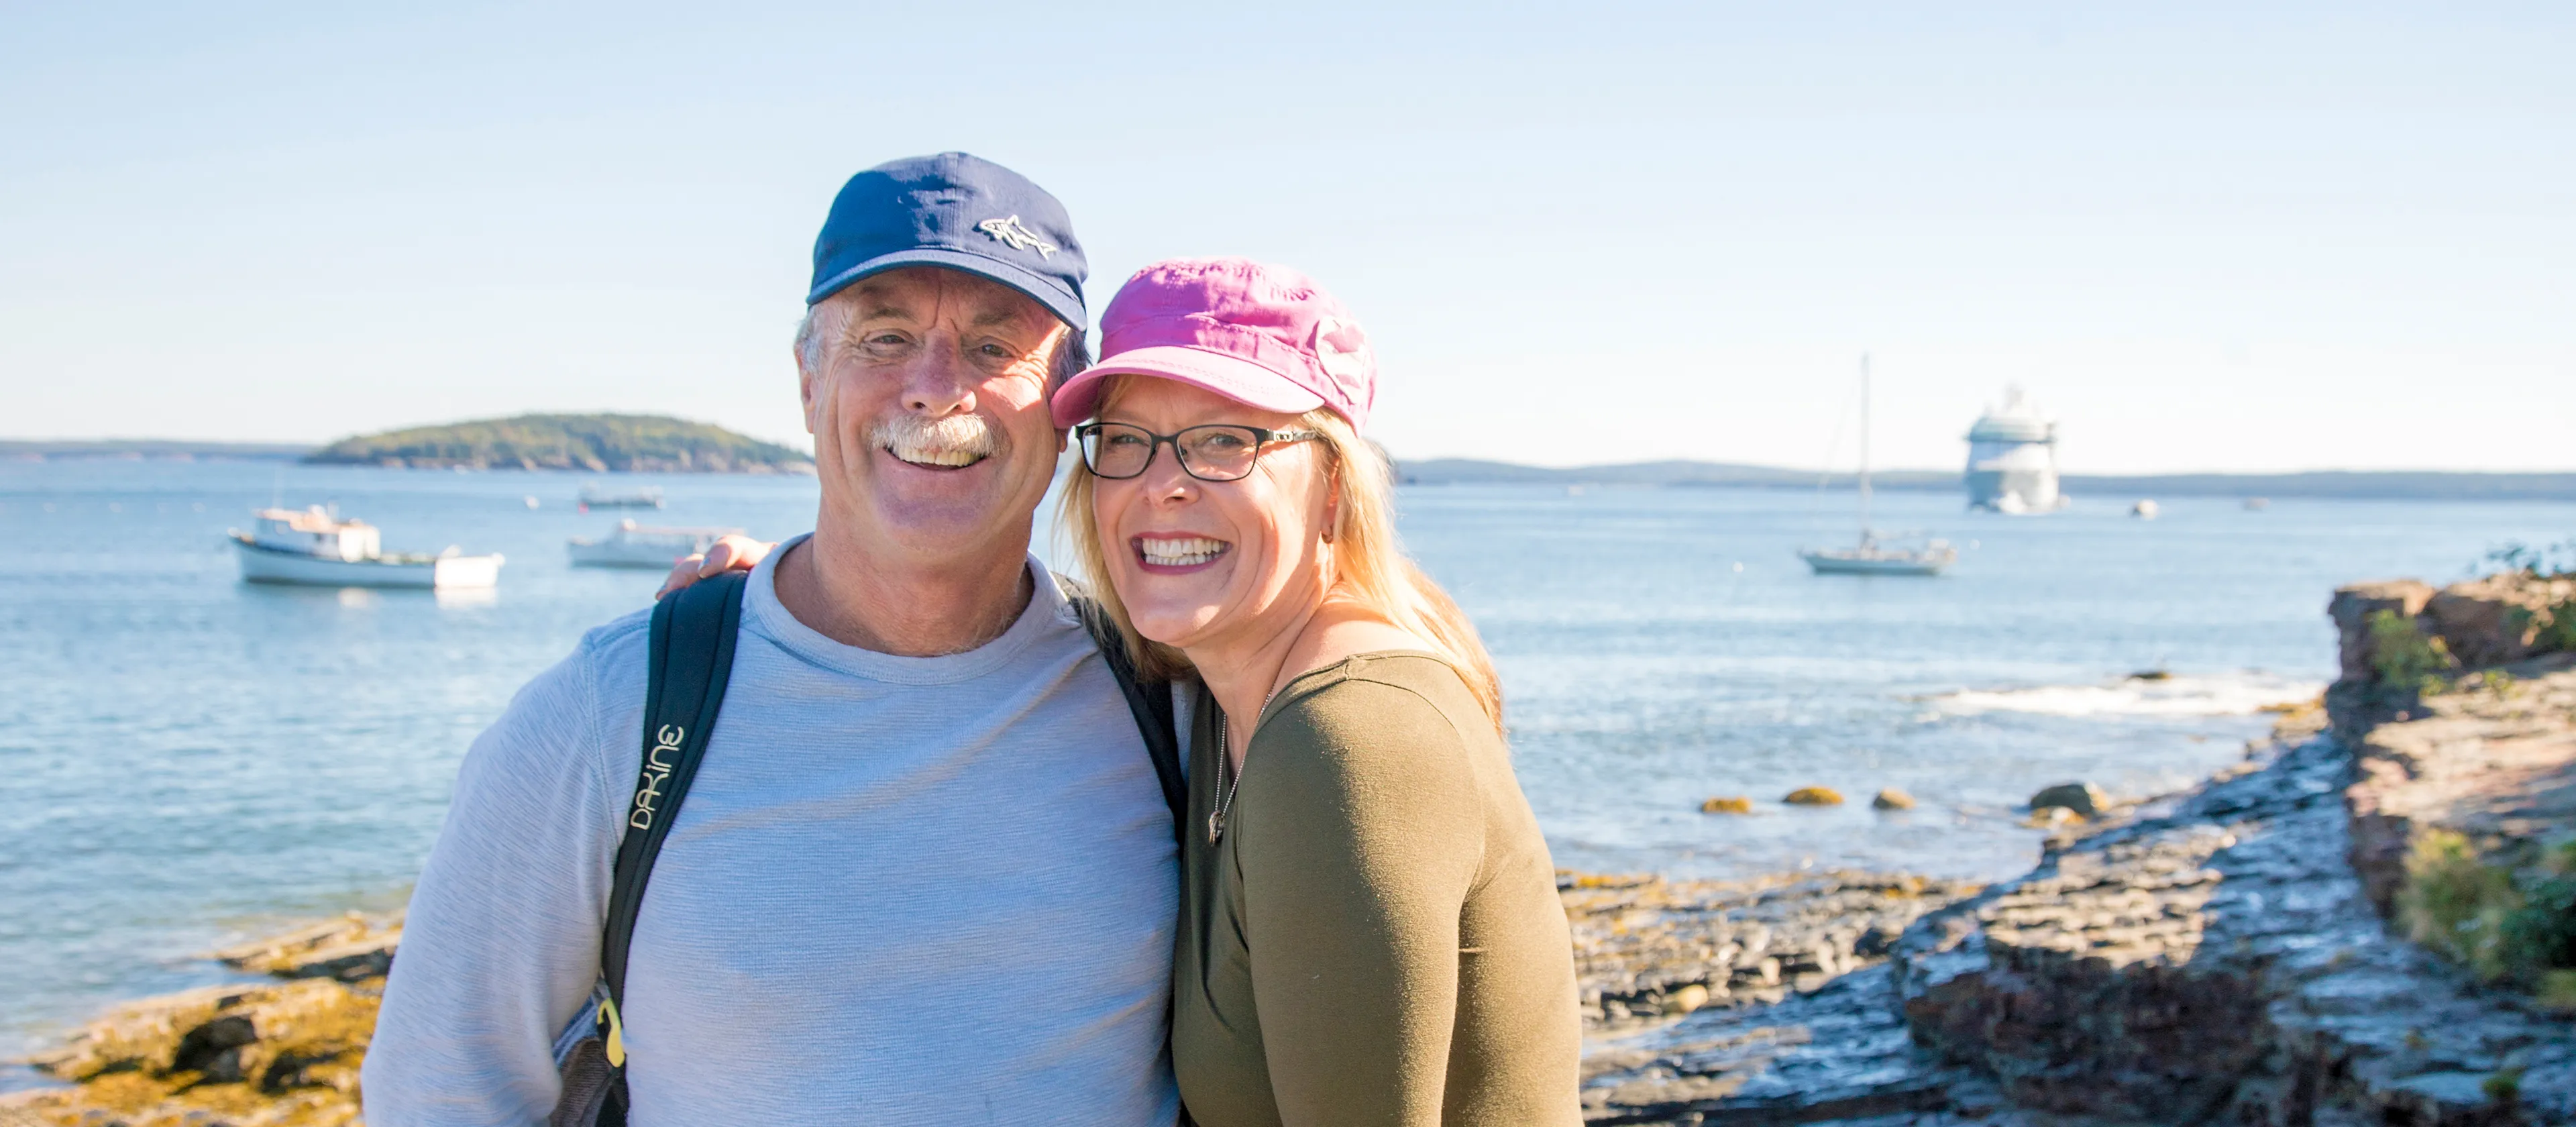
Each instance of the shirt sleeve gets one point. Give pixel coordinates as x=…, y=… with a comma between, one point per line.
x=1355, y=865
x=500, y=946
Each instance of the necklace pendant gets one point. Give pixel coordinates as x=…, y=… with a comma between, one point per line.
x=1216, y=826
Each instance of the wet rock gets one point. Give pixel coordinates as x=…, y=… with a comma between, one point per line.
x=352, y=948
x=2085, y=799
x=1892, y=799
x=1814, y=796
x=1736, y=804
x=284, y=1053
x=1639, y=941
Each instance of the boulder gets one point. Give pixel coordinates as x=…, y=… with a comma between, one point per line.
x=1814, y=796
x=1727, y=804
x=2498, y=619
x=2085, y=799
x=1892, y=799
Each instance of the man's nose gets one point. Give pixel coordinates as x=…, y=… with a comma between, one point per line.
x=939, y=380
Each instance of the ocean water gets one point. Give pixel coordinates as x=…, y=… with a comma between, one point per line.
x=188, y=759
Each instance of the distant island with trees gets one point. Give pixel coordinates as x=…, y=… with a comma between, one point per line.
x=2385, y=484
x=622, y=443
x=595, y=443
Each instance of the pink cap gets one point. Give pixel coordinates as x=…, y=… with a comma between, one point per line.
x=1261, y=335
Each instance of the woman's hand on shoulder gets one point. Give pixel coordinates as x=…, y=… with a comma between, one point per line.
x=732, y=553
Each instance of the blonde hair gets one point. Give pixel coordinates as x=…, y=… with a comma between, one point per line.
x=1370, y=567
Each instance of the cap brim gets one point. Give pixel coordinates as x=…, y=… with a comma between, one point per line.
x=1225, y=374
x=1066, y=307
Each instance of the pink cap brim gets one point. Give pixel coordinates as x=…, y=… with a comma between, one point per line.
x=1228, y=375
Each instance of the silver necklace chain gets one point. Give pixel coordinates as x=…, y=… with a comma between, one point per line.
x=1227, y=779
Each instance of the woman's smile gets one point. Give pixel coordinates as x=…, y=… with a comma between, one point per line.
x=1176, y=555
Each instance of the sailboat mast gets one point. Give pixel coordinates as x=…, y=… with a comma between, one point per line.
x=1864, y=446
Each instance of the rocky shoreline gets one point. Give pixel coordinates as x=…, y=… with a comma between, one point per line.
x=2370, y=920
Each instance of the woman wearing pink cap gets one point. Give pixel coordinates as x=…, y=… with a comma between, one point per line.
x=1370, y=930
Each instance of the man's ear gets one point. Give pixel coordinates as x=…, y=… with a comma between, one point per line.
x=805, y=392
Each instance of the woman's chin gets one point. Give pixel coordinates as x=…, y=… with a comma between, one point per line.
x=1178, y=626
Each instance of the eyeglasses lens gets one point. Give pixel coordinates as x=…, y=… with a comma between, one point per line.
x=1219, y=453
x=1210, y=453
x=1117, y=451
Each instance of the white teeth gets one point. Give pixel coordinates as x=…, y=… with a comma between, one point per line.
x=1181, y=552
x=933, y=455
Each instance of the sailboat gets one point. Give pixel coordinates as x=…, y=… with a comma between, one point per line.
x=1873, y=556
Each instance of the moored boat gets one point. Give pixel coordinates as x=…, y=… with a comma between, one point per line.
x=1873, y=556
x=643, y=546
x=316, y=548
x=593, y=497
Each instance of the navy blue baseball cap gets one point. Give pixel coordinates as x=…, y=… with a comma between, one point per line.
x=958, y=211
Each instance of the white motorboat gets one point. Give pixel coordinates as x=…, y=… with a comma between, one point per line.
x=593, y=497
x=316, y=548
x=639, y=545
x=1873, y=556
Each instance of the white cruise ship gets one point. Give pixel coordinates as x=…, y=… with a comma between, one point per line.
x=2012, y=459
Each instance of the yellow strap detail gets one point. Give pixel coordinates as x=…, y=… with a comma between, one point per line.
x=616, y=1033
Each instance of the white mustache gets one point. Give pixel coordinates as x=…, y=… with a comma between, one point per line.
x=956, y=440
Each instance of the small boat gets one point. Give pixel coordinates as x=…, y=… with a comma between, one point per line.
x=640, y=545
x=2144, y=510
x=593, y=497
x=1873, y=556
x=316, y=548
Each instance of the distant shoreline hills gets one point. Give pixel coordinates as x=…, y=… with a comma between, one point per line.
x=590, y=443
x=652, y=442
x=2378, y=484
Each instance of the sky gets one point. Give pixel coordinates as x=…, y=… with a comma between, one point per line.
x=2203, y=236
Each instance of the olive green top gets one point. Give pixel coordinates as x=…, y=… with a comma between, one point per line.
x=1377, y=938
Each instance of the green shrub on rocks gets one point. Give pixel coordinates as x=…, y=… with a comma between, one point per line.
x=2457, y=904
x=2404, y=657
x=2539, y=938
x=2558, y=634
x=2522, y=932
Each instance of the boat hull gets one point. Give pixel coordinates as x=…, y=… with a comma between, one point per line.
x=268, y=565
x=1829, y=563
x=611, y=554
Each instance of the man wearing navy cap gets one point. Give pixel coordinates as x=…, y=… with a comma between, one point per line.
x=926, y=873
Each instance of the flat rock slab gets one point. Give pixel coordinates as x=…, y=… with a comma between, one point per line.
x=2497, y=766
x=1641, y=941
x=2213, y=958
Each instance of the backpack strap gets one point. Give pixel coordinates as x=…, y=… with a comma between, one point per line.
x=1150, y=701
x=691, y=660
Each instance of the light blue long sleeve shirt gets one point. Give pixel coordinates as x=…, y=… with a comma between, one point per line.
x=900, y=891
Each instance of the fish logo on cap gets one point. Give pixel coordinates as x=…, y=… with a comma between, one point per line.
x=1010, y=233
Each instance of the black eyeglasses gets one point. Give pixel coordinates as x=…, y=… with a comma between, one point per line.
x=1216, y=452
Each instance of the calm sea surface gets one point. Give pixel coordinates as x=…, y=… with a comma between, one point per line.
x=185, y=758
